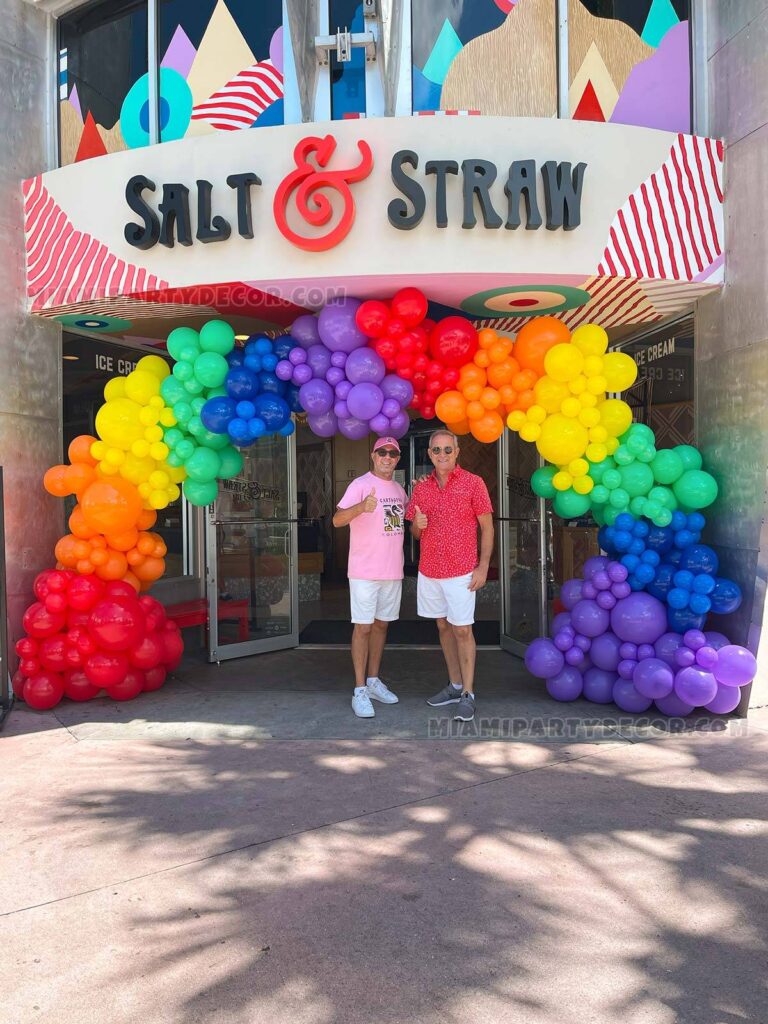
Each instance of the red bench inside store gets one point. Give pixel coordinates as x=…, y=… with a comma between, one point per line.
x=195, y=613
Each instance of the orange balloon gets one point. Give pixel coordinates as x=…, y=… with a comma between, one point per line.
x=487, y=337
x=525, y=380
x=82, y=549
x=507, y=394
x=451, y=405
x=79, y=476
x=490, y=398
x=475, y=411
x=499, y=352
x=111, y=505
x=487, y=428
x=482, y=359
x=78, y=525
x=160, y=549
x=472, y=392
x=525, y=400
x=99, y=556
x=134, y=557
x=145, y=543
x=470, y=373
x=151, y=569
x=65, y=551
x=98, y=540
x=123, y=541
x=503, y=373
x=80, y=450
x=84, y=566
x=114, y=568
x=536, y=338
x=130, y=578
x=56, y=482
x=147, y=519
x=459, y=428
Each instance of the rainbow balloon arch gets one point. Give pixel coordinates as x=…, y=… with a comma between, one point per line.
x=631, y=630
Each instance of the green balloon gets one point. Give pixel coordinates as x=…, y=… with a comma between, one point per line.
x=172, y=390
x=195, y=426
x=203, y=465
x=193, y=386
x=663, y=496
x=217, y=336
x=691, y=456
x=183, y=371
x=211, y=440
x=541, y=481
x=643, y=433
x=599, y=495
x=211, y=369
x=610, y=514
x=637, y=506
x=172, y=436
x=182, y=411
x=197, y=405
x=174, y=459
x=667, y=466
x=231, y=463
x=570, y=505
x=623, y=456
x=619, y=498
x=597, y=469
x=217, y=393
x=185, y=449
x=695, y=488
x=200, y=492
x=664, y=518
x=612, y=478
x=180, y=340
x=598, y=514
x=636, y=479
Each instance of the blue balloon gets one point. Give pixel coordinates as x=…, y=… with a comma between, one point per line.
x=273, y=410
x=696, y=521
x=684, y=579
x=726, y=597
x=292, y=398
x=652, y=558
x=269, y=362
x=282, y=346
x=674, y=556
x=660, y=538
x=662, y=581
x=257, y=427
x=703, y=584
x=700, y=604
x=253, y=362
x=241, y=384
x=272, y=385
x=624, y=521
x=239, y=432
x=677, y=598
x=684, y=538
x=287, y=429
x=263, y=346
x=217, y=413
x=679, y=521
x=645, y=573
x=245, y=410
x=700, y=558
x=682, y=619
x=235, y=358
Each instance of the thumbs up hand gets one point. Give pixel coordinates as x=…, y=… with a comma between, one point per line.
x=369, y=505
x=420, y=519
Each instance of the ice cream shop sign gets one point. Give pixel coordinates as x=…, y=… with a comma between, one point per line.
x=314, y=207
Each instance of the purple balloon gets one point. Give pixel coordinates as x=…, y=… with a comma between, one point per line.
x=337, y=327
x=598, y=685
x=570, y=593
x=726, y=700
x=379, y=425
x=593, y=565
x=673, y=706
x=395, y=387
x=684, y=657
x=365, y=366
x=297, y=356
x=391, y=406
x=335, y=375
x=301, y=374
x=543, y=659
x=341, y=409
x=353, y=428
x=666, y=646
x=365, y=401
x=628, y=651
x=566, y=685
x=589, y=619
x=606, y=600
x=601, y=580
x=621, y=590
x=574, y=656
x=627, y=668
x=604, y=652
x=653, y=678
x=284, y=369
x=716, y=640
x=316, y=397
x=706, y=657
x=694, y=638
x=735, y=666
x=589, y=590
x=324, y=425
x=629, y=698
x=319, y=358
x=695, y=686
x=582, y=642
x=645, y=651
x=400, y=425
x=304, y=330
x=563, y=640
x=339, y=359
x=561, y=620
x=639, y=618
x=342, y=389
x=617, y=572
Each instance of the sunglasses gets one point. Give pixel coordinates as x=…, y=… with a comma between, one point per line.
x=437, y=449
x=387, y=453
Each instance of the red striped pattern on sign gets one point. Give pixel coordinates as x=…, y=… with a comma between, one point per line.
x=671, y=227
x=65, y=265
x=238, y=103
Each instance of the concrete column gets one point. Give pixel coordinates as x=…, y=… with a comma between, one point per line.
x=732, y=327
x=30, y=356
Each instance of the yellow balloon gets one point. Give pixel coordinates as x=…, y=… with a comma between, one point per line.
x=578, y=467
x=536, y=414
x=137, y=469
x=598, y=434
x=118, y=423
x=589, y=417
x=178, y=473
x=157, y=499
x=562, y=439
x=615, y=416
x=597, y=385
x=99, y=450
x=114, y=388
x=596, y=452
x=588, y=400
x=115, y=456
x=174, y=492
x=516, y=420
x=619, y=370
x=145, y=490
x=563, y=362
x=109, y=468
x=530, y=431
x=167, y=418
x=153, y=434
x=590, y=339
x=140, y=448
x=611, y=445
x=141, y=386
x=550, y=394
x=583, y=484
x=593, y=366
x=154, y=365
x=562, y=481
x=159, y=451
x=571, y=407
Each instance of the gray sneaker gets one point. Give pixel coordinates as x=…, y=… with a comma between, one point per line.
x=448, y=695
x=465, y=712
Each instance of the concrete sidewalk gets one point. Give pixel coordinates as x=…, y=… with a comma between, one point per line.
x=239, y=848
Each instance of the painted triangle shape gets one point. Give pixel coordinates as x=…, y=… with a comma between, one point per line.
x=588, y=108
x=661, y=18
x=91, y=143
x=447, y=45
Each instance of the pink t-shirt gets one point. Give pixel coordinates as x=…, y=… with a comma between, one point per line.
x=376, y=538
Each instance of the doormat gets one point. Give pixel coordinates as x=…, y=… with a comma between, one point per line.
x=404, y=632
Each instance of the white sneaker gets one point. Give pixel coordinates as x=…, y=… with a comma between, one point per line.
x=379, y=691
x=361, y=703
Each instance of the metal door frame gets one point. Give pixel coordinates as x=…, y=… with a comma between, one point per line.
x=247, y=648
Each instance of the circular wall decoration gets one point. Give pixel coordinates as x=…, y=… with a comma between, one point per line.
x=524, y=300
x=174, y=114
x=98, y=323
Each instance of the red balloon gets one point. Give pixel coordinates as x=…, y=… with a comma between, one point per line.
x=372, y=318
x=149, y=653
x=118, y=588
x=26, y=647
x=453, y=341
x=106, y=669
x=130, y=686
x=395, y=329
x=451, y=377
x=53, y=653
x=410, y=306
x=173, y=645
x=77, y=620
x=154, y=612
x=154, y=678
x=386, y=348
x=428, y=412
x=44, y=690
x=40, y=586
x=73, y=658
x=117, y=625
x=56, y=603
x=77, y=686
x=38, y=622
x=17, y=682
x=57, y=581
x=86, y=645
x=29, y=667
x=84, y=592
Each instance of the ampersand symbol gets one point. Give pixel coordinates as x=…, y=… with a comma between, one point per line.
x=313, y=204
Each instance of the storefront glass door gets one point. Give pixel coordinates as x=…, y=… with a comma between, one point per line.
x=251, y=555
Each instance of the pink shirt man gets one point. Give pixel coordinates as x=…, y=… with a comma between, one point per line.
x=376, y=540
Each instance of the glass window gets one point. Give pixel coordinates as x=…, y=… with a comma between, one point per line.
x=102, y=59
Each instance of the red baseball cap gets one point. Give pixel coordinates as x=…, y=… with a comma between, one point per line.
x=385, y=442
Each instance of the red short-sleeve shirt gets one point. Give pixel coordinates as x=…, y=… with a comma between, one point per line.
x=449, y=543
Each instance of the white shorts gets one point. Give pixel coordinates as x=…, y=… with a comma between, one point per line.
x=446, y=599
x=375, y=599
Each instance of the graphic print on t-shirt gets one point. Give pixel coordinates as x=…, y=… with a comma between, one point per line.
x=393, y=516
